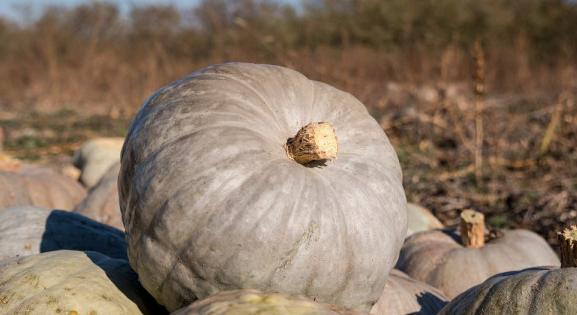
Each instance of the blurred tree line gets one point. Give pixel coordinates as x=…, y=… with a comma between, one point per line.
x=65, y=49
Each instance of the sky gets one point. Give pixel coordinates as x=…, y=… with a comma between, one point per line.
x=14, y=8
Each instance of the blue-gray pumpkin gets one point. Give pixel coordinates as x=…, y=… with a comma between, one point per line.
x=214, y=196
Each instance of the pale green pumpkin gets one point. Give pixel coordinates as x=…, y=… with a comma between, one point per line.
x=252, y=302
x=71, y=282
x=541, y=290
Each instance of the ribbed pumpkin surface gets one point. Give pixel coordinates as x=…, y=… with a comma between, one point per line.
x=543, y=290
x=211, y=201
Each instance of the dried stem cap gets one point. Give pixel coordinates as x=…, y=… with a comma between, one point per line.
x=568, y=247
x=472, y=228
x=314, y=142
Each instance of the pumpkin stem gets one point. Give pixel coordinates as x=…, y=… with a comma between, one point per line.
x=313, y=142
x=472, y=228
x=568, y=249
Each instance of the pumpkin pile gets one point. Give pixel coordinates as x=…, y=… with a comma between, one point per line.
x=246, y=189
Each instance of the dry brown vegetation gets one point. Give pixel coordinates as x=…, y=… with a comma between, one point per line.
x=75, y=73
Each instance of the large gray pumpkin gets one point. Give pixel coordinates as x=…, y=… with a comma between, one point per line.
x=403, y=295
x=543, y=290
x=211, y=201
x=101, y=203
x=39, y=186
x=72, y=283
x=30, y=230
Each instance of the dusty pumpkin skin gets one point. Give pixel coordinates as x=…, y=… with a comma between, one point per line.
x=542, y=290
x=420, y=219
x=71, y=282
x=101, y=203
x=249, y=302
x=211, y=200
x=37, y=186
x=403, y=295
x=439, y=259
x=31, y=230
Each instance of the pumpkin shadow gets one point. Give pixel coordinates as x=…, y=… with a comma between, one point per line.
x=430, y=303
x=126, y=280
x=452, y=233
x=72, y=231
x=316, y=164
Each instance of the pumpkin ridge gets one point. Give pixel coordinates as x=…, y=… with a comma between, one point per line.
x=198, y=132
x=158, y=289
x=155, y=158
x=262, y=214
x=338, y=290
x=487, y=292
x=253, y=90
x=298, y=200
x=273, y=271
x=256, y=174
x=353, y=111
x=193, y=235
x=383, y=199
x=304, y=198
x=539, y=282
x=311, y=105
x=190, y=132
x=304, y=239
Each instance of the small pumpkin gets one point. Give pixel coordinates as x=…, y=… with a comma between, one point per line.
x=249, y=302
x=403, y=295
x=229, y=180
x=30, y=230
x=539, y=290
x=95, y=157
x=453, y=263
x=71, y=282
x=38, y=186
x=101, y=203
x=420, y=219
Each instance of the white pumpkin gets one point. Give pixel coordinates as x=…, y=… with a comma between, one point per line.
x=95, y=157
